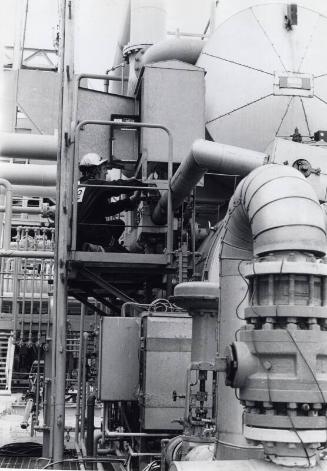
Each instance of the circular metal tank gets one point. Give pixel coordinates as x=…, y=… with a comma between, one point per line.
x=264, y=75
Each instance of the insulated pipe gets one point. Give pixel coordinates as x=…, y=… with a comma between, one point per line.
x=30, y=190
x=185, y=50
x=273, y=209
x=21, y=174
x=28, y=146
x=204, y=156
x=148, y=21
x=277, y=209
x=6, y=236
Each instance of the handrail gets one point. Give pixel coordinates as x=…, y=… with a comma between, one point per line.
x=26, y=253
x=170, y=173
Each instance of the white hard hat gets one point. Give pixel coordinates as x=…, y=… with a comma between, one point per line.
x=91, y=160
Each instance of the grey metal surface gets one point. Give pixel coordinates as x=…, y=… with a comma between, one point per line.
x=167, y=354
x=236, y=465
x=119, y=359
x=101, y=106
x=242, y=59
x=280, y=204
x=206, y=156
x=283, y=150
x=172, y=94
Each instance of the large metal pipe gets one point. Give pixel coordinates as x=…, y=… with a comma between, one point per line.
x=148, y=21
x=273, y=209
x=34, y=190
x=28, y=146
x=186, y=50
x=204, y=156
x=21, y=174
x=277, y=209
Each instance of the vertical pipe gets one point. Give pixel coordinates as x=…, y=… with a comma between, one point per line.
x=79, y=377
x=90, y=425
x=85, y=338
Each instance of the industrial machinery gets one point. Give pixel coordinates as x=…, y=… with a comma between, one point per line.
x=202, y=342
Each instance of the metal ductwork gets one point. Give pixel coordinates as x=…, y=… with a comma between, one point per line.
x=277, y=209
x=204, y=156
x=28, y=146
x=21, y=174
x=186, y=50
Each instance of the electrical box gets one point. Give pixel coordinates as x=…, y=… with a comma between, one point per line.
x=165, y=357
x=119, y=359
x=172, y=94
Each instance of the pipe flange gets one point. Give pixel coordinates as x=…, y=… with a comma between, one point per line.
x=134, y=48
x=306, y=264
x=197, y=296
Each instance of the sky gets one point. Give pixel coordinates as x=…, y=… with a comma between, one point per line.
x=98, y=24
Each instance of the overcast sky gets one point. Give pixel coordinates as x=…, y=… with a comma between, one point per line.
x=99, y=23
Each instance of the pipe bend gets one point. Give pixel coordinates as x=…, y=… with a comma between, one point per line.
x=203, y=156
x=278, y=209
x=185, y=50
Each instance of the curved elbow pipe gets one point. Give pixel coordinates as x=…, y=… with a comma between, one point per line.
x=273, y=209
x=185, y=50
x=28, y=146
x=206, y=156
x=21, y=174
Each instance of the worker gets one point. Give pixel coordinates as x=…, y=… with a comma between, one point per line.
x=95, y=231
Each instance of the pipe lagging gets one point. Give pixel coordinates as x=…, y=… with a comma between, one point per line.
x=31, y=174
x=185, y=50
x=206, y=156
x=277, y=209
x=34, y=190
x=28, y=146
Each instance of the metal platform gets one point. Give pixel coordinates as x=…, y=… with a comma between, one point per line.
x=121, y=261
x=111, y=276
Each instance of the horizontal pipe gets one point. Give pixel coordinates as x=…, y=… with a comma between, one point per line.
x=206, y=156
x=28, y=146
x=25, y=174
x=26, y=253
x=185, y=50
x=34, y=190
x=22, y=210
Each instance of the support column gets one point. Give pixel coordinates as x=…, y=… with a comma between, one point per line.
x=63, y=219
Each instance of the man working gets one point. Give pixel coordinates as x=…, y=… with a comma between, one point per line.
x=94, y=231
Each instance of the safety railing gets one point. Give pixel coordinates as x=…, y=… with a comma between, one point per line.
x=126, y=227
x=133, y=125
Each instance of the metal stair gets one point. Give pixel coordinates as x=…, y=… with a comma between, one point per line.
x=7, y=350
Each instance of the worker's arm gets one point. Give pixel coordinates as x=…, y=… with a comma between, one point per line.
x=126, y=204
x=119, y=186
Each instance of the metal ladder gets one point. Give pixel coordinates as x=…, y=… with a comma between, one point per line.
x=7, y=350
